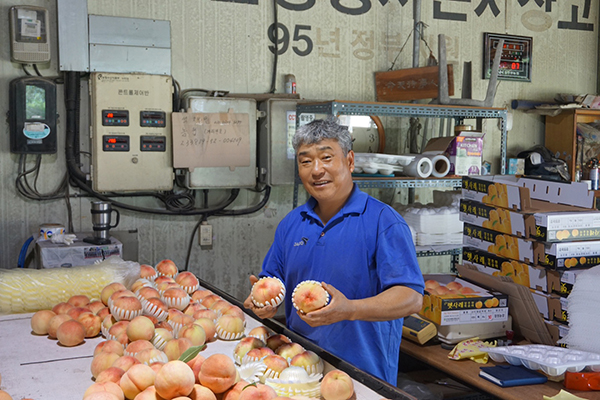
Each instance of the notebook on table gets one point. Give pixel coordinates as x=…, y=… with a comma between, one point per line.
x=511, y=375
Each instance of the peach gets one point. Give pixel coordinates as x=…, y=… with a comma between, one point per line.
x=466, y=290
x=199, y=294
x=230, y=327
x=442, y=290
x=200, y=392
x=162, y=278
x=40, y=321
x=79, y=300
x=289, y=350
x=176, y=297
x=137, y=379
x=4, y=395
x=275, y=341
x=244, y=346
x=156, y=308
x=126, y=308
x=193, y=307
x=148, y=394
x=62, y=308
x=218, y=373
x=337, y=385
x=120, y=293
x=268, y=291
x=233, y=310
x=146, y=292
x=454, y=285
x=175, y=378
x=234, y=392
x=102, y=396
x=308, y=360
x=260, y=332
x=164, y=325
x=109, y=289
x=109, y=346
x=102, y=361
x=176, y=347
x=109, y=387
x=111, y=374
x=95, y=306
x=125, y=362
x=147, y=272
x=91, y=323
x=137, y=346
x=309, y=296
x=167, y=268
x=103, y=312
x=75, y=312
x=210, y=314
x=118, y=328
x=195, y=333
x=140, y=328
x=430, y=283
x=257, y=354
x=140, y=283
x=161, y=337
x=258, y=392
x=187, y=281
x=275, y=364
x=150, y=356
x=210, y=329
x=55, y=322
x=209, y=300
x=195, y=364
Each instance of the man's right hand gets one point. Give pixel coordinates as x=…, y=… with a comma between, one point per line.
x=261, y=312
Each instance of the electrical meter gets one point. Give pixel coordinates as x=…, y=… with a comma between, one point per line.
x=32, y=115
x=29, y=34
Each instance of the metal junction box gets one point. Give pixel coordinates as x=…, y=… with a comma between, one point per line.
x=131, y=132
x=242, y=175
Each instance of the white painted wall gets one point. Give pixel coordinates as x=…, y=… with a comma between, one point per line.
x=224, y=45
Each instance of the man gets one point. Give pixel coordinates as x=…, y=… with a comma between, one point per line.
x=360, y=248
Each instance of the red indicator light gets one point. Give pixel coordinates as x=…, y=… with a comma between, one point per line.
x=112, y=140
x=110, y=115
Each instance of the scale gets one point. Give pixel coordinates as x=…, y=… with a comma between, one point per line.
x=417, y=329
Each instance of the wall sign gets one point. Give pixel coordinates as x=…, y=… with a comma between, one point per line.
x=515, y=62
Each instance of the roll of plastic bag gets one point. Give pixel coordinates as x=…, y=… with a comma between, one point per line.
x=441, y=165
x=420, y=167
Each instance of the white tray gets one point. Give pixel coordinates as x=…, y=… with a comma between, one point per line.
x=552, y=360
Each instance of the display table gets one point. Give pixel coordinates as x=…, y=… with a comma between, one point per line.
x=37, y=367
x=467, y=372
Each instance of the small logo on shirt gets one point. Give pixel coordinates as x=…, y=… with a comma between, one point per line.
x=302, y=242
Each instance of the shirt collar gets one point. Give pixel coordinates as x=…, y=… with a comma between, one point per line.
x=355, y=204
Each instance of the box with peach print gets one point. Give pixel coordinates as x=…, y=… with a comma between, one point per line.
x=517, y=194
x=495, y=218
x=533, y=277
x=499, y=243
x=449, y=300
x=569, y=255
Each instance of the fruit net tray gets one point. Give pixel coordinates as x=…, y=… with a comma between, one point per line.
x=552, y=360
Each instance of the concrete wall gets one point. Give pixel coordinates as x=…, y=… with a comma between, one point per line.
x=224, y=45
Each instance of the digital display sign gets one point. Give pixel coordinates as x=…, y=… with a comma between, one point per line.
x=515, y=61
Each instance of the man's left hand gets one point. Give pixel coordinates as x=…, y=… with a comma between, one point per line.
x=338, y=309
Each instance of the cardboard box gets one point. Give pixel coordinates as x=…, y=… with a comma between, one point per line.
x=56, y=255
x=463, y=150
x=537, y=278
x=561, y=282
x=527, y=321
x=516, y=194
x=476, y=305
x=557, y=331
x=551, y=307
x=568, y=255
x=544, y=221
x=500, y=244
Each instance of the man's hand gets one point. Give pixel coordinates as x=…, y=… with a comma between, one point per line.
x=261, y=312
x=338, y=309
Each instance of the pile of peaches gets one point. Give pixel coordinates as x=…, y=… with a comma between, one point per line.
x=155, y=331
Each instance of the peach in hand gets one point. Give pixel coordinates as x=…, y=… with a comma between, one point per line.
x=309, y=296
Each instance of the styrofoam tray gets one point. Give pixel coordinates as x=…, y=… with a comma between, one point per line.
x=374, y=168
x=552, y=360
x=425, y=239
x=379, y=158
x=434, y=223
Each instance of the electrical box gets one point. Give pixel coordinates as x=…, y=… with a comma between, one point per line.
x=207, y=136
x=131, y=132
x=32, y=115
x=29, y=34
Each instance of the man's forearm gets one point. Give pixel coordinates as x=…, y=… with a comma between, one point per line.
x=393, y=303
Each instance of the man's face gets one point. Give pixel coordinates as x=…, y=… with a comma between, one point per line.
x=325, y=170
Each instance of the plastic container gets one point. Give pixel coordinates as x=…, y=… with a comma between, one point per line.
x=553, y=361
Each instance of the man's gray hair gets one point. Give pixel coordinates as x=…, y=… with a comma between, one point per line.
x=321, y=129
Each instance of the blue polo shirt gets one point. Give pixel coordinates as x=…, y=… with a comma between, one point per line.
x=363, y=250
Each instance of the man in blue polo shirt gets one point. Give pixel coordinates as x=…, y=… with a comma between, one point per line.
x=360, y=248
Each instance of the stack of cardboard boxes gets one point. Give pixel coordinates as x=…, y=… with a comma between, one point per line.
x=539, y=233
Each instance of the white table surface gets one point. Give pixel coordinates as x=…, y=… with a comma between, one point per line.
x=37, y=367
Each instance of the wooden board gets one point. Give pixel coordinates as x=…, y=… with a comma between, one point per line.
x=411, y=84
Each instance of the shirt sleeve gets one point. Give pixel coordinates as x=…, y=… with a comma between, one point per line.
x=396, y=255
